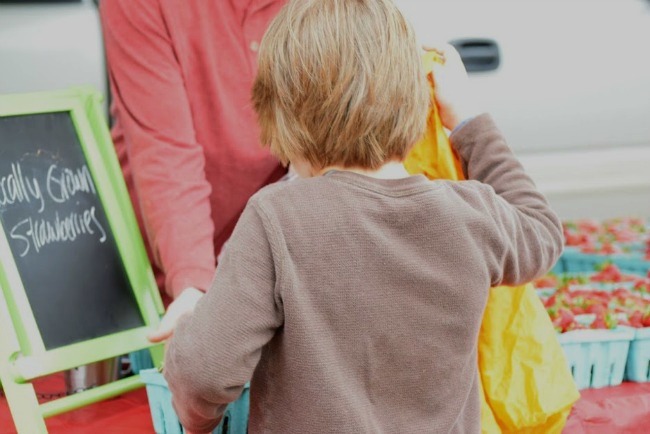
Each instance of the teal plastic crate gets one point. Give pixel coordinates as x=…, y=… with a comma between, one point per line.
x=574, y=261
x=601, y=286
x=140, y=360
x=165, y=421
x=638, y=360
x=597, y=358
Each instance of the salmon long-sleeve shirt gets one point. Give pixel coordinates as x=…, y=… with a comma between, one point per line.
x=353, y=304
x=181, y=74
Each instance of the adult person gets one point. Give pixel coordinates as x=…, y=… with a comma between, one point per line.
x=184, y=129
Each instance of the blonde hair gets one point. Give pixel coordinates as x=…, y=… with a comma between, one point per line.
x=340, y=82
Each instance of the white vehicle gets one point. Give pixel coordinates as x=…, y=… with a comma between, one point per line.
x=569, y=84
x=567, y=81
x=49, y=45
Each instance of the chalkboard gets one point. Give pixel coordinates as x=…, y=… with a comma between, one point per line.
x=58, y=233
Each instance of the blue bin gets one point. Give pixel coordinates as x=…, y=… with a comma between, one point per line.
x=165, y=421
x=140, y=360
x=638, y=360
x=574, y=261
x=601, y=286
x=597, y=358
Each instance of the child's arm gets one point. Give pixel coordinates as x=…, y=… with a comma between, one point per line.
x=526, y=237
x=523, y=236
x=214, y=352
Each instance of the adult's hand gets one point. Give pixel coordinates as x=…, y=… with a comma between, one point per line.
x=184, y=304
x=451, y=87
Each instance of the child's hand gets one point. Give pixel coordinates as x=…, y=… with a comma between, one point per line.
x=451, y=85
x=184, y=304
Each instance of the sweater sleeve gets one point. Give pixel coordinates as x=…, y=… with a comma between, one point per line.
x=526, y=232
x=215, y=351
x=166, y=160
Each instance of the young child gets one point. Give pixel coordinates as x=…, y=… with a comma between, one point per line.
x=352, y=299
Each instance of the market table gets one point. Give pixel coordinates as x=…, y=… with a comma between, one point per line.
x=127, y=414
x=613, y=410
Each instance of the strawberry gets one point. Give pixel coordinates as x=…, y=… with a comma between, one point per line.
x=608, y=272
x=571, y=239
x=588, y=226
x=608, y=248
x=625, y=236
x=636, y=319
x=636, y=223
x=551, y=301
x=597, y=309
x=565, y=319
x=642, y=286
x=604, y=321
x=574, y=280
x=578, y=310
x=646, y=318
x=620, y=293
x=548, y=281
x=599, y=323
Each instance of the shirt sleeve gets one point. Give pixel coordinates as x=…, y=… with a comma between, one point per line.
x=167, y=162
x=214, y=351
x=525, y=233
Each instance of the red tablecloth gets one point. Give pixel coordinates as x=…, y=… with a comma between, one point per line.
x=127, y=414
x=623, y=409
x=614, y=410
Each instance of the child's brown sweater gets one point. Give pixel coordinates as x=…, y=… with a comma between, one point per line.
x=353, y=304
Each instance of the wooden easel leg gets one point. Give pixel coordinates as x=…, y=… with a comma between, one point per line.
x=24, y=406
x=21, y=397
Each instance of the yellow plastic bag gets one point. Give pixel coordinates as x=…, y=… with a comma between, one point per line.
x=526, y=386
x=525, y=377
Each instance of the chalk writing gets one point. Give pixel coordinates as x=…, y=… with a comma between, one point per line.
x=40, y=232
x=17, y=188
x=62, y=185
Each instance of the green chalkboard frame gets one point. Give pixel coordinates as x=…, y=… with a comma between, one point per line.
x=23, y=356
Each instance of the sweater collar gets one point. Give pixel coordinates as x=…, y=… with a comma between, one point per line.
x=391, y=187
